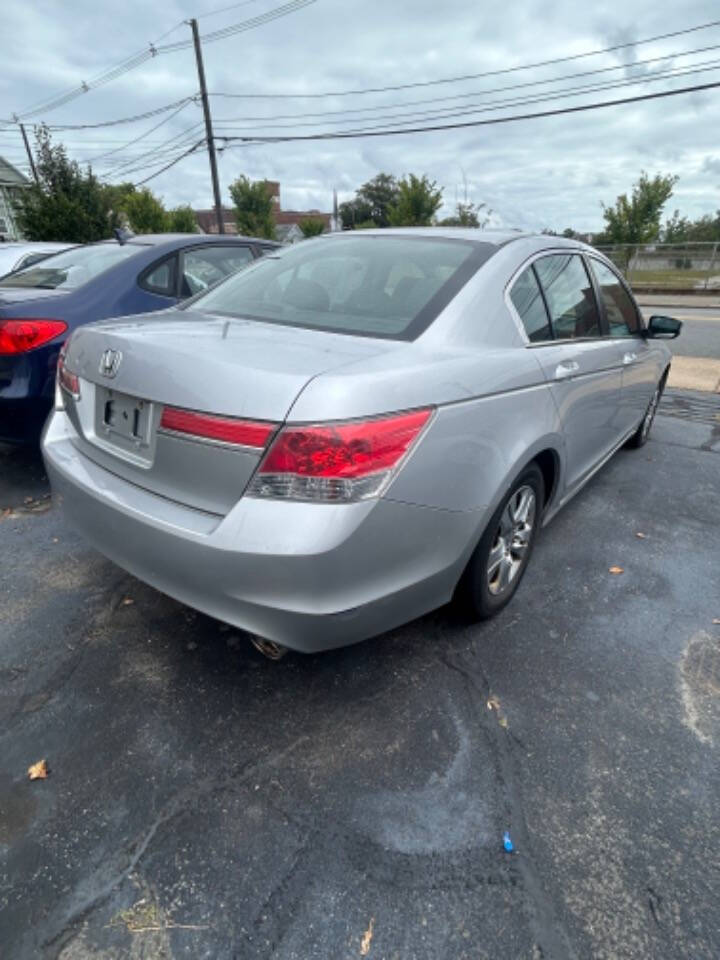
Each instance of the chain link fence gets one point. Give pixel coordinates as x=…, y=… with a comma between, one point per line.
x=668, y=267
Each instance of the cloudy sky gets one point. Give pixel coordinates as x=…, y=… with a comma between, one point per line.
x=552, y=172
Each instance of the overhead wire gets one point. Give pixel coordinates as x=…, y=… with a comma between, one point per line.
x=389, y=131
x=489, y=106
x=469, y=76
x=151, y=51
x=630, y=65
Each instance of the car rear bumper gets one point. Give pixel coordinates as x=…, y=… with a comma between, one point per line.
x=309, y=576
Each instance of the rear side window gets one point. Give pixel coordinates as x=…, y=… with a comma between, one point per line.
x=204, y=266
x=527, y=300
x=622, y=316
x=161, y=277
x=570, y=296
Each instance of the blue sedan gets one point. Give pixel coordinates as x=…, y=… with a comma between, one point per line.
x=42, y=304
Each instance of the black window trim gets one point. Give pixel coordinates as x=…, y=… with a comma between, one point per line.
x=626, y=288
x=530, y=262
x=144, y=274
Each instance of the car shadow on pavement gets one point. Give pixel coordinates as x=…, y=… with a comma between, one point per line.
x=22, y=477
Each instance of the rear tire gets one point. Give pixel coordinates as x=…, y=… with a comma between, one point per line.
x=500, y=559
x=640, y=437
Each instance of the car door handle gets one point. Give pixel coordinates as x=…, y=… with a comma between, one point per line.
x=629, y=358
x=566, y=369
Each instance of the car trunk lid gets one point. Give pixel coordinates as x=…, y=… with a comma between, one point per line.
x=134, y=369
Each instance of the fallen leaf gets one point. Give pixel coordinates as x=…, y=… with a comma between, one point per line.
x=493, y=703
x=38, y=771
x=641, y=536
x=616, y=570
x=367, y=938
x=502, y=721
x=126, y=602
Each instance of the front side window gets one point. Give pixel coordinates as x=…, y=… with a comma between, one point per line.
x=528, y=301
x=570, y=296
x=362, y=284
x=622, y=316
x=204, y=266
x=72, y=268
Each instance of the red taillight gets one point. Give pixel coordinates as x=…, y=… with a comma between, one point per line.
x=207, y=426
x=337, y=462
x=19, y=336
x=67, y=380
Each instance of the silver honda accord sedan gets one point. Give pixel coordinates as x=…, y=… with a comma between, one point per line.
x=352, y=431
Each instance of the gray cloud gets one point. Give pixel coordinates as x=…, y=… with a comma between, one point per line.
x=553, y=172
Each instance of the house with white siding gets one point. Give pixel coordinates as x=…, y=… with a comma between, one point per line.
x=12, y=182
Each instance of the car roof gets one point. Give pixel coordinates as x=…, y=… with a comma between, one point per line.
x=495, y=237
x=155, y=239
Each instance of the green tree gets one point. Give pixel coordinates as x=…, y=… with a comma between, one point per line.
x=378, y=195
x=637, y=219
x=418, y=201
x=254, y=210
x=145, y=212
x=312, y=226
x=67, y=204
x=182, y=220
x=371, y=203
x=468, y=215
x=705, y=229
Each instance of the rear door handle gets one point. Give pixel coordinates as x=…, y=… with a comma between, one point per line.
x=629, y=358
x=566, y=369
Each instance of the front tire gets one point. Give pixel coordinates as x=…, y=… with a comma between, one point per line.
x=500, y=559
x=640, y=437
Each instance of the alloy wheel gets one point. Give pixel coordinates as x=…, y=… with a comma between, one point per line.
x=512, y=540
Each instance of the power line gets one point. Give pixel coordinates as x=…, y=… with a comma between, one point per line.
x=142, y=136
x=490, y=106
x=153, y=50
x=114, y=123
x=172, y=163
x=351, y=135
x=474, y=93
x=469, y=76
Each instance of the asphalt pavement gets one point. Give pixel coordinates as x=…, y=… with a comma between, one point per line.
x=203, y=802
x=700, y=336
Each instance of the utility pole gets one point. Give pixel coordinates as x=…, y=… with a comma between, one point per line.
x=29, y=152
x=208, y=125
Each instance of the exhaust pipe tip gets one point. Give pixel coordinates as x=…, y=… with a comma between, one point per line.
x=268, y=648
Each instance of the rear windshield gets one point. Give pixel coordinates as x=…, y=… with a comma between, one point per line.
x=71, y=268
x=361, y=284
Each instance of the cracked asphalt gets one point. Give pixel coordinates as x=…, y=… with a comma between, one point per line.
x=205, y=803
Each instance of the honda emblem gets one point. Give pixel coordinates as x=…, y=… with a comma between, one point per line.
x=110, y=362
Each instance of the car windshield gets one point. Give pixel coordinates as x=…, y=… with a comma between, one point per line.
x=361, y=284
x=71, y=268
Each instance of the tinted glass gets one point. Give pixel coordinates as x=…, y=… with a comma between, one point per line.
x=161, y=278
x=72, y=268
x=621, y=313
x=570, y=296
x=527, y=300
x=205, y=266
x=380, y=286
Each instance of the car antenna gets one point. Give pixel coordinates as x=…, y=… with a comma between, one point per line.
x=122, y=235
